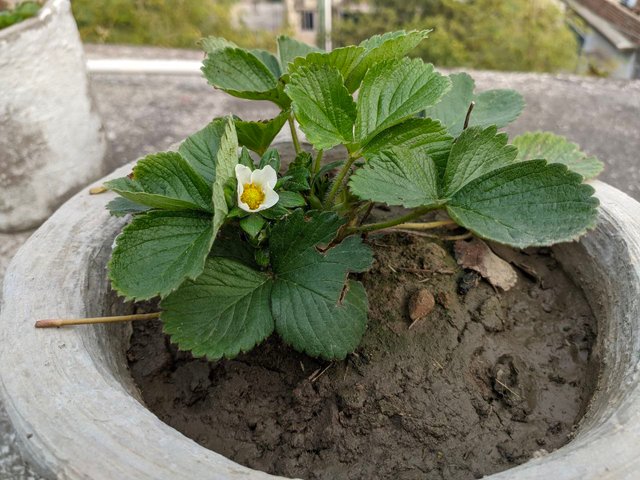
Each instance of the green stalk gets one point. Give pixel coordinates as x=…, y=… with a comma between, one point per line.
x=317, y=162
x=338, y=181
x=294, y=135
x=371, y=227
x=315, y=202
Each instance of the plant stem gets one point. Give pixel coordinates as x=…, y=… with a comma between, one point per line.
x=317, y=162
x=335, y=188
x=294, y=135
x=426, y=225
x=366, y=213
x=391, y=223
x=315, y=202
x=57, y=322
x=468, y=117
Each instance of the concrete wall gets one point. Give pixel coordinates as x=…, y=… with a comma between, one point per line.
x=598, y=51
x=260, y=15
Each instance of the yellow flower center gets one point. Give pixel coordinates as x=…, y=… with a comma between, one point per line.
x=252, y=195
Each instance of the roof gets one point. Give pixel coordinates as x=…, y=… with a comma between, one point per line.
x=605, y=28
x=618, y=24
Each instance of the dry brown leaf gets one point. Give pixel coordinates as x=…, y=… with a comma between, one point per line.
x=476, y=255
x=421, y=304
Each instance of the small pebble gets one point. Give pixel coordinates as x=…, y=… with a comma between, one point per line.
x=421, y=304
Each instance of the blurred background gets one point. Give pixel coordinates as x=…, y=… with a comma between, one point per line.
x=591, y=37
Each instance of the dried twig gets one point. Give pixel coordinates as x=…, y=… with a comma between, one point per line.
x=58, y=322
x=98, y=190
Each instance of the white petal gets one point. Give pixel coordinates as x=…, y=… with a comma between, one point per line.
x=245, y=207
x=266, y=176
x=270, y=199
x=243, y=174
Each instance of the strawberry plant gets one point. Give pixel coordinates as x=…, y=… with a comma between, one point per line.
x=238, y=246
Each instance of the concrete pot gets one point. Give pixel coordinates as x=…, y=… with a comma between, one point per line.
x=78, y=414
x=51, y=139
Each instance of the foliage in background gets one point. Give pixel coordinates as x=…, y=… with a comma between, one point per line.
x=21, y=12
x=508, y=35
x=163, y=23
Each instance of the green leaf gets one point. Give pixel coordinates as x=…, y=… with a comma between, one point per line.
x=496, y=107
x=416, y=133
x=242, y=74
x=252, y=224
x=526, y=204
x=315, y=308
x=377, y=40
x=211, y=44
x=298, y=174
x=391, y=45
x=222, y=313
x=246, y=159
x=297, y=180
x=291, y=199
x=271, y=157
x=493, y=107
x=269, y=60
x=230, y=243
x=166, y=181
x=557, y=149
x=393, y=91
x=201, y=149
x=257, y=136
x=476, y=151
x=345, y=59
x=398, y=177
x=275, y=213
x=354, y=61
x=289, y=49
x=237, y=212
x=322, y=105
x=226, y=161
x=327, y=169
x=157, y=251
x=451, y=111
x=120, y=206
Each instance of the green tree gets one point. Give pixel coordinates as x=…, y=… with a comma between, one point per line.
x=510, y=35
x=165, y=23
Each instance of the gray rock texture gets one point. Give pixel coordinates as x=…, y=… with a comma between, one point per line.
x=146, y=113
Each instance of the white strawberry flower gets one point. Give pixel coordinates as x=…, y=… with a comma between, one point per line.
x=256, y=188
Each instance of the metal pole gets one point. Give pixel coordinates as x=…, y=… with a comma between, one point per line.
x=327, y=25
x=321, y=39
x=324, y=24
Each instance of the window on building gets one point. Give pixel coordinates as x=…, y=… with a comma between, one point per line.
x=307, y=20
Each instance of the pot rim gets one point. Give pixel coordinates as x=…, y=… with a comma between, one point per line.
x=70, y=396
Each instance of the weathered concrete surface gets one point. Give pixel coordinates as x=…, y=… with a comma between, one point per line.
x=51, y=141
x=11, y=464
x=143, y=114
x=83, y=371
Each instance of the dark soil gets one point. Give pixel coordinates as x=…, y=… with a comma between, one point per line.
x=486, y=381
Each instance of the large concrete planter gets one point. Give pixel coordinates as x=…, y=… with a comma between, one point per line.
x=51, y=139
x=78, y=414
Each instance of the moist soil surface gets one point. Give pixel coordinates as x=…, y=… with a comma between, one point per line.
x=485, y=382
